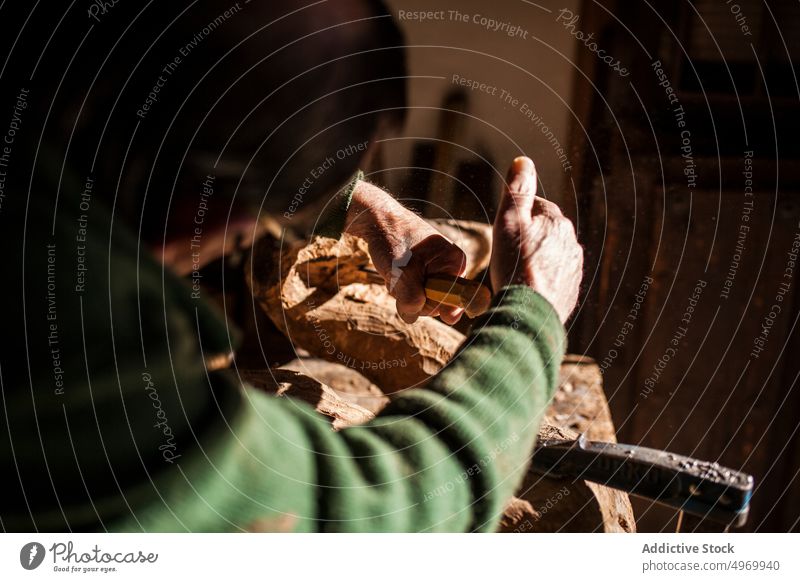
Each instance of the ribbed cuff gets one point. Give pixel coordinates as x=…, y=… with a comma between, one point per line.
x=519, y=306
x=332, y=221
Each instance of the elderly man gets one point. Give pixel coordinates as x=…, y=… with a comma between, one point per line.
x=111, y=420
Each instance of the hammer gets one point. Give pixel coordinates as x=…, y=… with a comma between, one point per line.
x=701, y=488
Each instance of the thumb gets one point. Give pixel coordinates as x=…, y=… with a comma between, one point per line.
x=520, y=190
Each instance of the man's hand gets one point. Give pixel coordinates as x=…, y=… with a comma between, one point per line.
x=534, y=244
x=405, y=250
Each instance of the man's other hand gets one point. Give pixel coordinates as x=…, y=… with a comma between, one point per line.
x=534, y=244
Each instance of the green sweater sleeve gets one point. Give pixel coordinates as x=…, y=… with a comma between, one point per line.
x=445, y=457
x=332, y=221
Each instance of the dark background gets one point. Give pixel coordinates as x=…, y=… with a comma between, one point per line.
x=637, y=216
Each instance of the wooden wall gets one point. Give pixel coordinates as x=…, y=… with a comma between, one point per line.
x=686, y=220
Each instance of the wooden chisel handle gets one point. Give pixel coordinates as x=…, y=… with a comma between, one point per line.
x=473, y=296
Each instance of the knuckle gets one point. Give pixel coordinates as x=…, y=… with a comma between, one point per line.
x=546, y=206
x=566, y=227
x=409, y=296
x=459, y=256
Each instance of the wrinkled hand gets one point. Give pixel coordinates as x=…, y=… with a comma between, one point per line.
x=534, y=244
x=405, y=250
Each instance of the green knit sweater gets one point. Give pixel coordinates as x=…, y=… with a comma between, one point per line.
x=110, y=420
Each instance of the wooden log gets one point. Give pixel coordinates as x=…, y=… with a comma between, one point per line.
x=580, y=403
x=342, y=320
